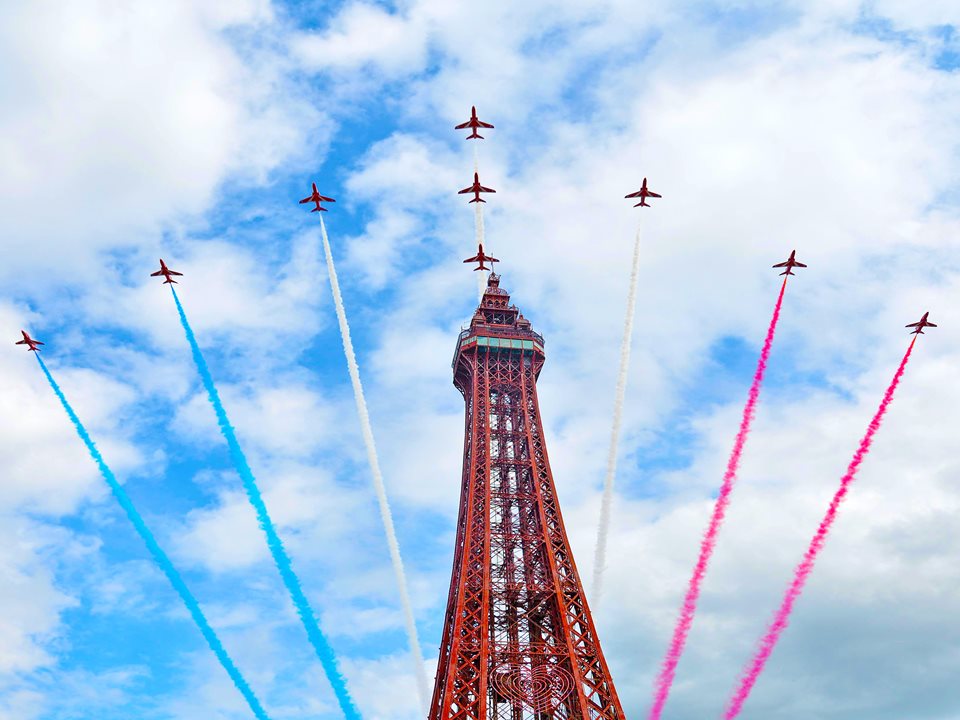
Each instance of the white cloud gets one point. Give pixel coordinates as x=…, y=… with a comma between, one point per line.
x=364, y=34
x=34, y=421
x=927, y=14
x=224, y=289
x=119, y=119
x=383, y=687
x=311, y=514
x=31, y=603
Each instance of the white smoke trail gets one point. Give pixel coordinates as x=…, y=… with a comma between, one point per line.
x=478, y=222
x=603, y=529
x=385, y=514
x=479, y=231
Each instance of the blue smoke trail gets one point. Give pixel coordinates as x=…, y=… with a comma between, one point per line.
x=319, y=642
x=162, y=560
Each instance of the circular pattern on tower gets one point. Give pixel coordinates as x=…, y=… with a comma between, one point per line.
x=542, y=688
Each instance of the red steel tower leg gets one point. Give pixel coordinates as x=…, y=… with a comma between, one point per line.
x=518, y=639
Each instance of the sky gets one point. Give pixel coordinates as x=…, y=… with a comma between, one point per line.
x=189, y=130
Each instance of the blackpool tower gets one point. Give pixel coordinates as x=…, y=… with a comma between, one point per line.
x=519, y=642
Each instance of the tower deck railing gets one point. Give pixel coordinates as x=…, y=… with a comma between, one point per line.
x=494, y=331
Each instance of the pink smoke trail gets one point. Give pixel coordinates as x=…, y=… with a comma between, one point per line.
x=685, y=621
x=780, y=620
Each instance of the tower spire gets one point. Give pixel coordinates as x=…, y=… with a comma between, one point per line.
x=519, y=642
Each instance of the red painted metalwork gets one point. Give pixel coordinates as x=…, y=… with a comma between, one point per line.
x=518, y=639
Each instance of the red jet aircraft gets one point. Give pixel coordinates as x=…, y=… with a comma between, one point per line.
x=473, y=123
x=481, y=258
x=476, y=189
x=643, y=193
x=27, y=340
x=790, y=263
x=923, y=322
x=166, y=272
x=317, y=198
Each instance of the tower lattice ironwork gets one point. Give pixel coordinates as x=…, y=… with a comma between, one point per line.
x=519, y=642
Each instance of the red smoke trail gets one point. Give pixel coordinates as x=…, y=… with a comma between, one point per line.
x=685, y=621
x=780, y=620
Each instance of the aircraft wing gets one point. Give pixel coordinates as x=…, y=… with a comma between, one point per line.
x=916, y=324
x=929, y=324
x=481, y=123
x=783, y=264
x=461, y=126
x=465, y=190
x=486, y=189
x=798, y=263
x=324, y=198
x=174, y=272
x=653, y=194
x=636, y=194
x=306, y=200
x=475, y=258
x=157, y=273
x=491, y=259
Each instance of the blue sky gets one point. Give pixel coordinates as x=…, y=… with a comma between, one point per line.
x=188, y=131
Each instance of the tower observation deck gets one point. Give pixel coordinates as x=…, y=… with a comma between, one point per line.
x=518, y=641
